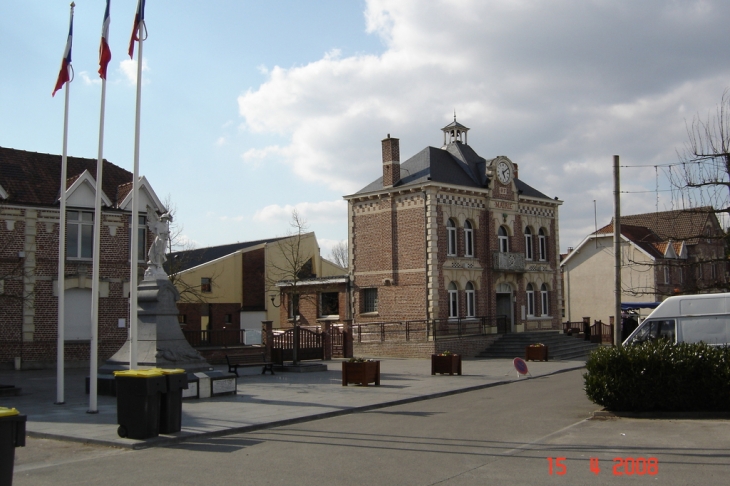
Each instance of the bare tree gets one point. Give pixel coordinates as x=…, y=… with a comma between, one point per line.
x=339, y=254
x=294, y=263
x=287, y=273
x=14, y=275
x=179, y=256
x=700, y=184
x=703, y=178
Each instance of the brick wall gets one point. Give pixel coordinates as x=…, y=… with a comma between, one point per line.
x=309, y=304
x=36, y=233
x=467, y=347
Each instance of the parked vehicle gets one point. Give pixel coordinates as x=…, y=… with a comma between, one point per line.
x=688, y=319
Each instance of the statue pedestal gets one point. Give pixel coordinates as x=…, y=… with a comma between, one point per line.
x=160, y=341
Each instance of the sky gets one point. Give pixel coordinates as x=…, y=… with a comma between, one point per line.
x=250, y=110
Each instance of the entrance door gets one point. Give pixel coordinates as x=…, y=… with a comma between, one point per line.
x=504, y=308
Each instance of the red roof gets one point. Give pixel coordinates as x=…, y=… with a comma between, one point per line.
x=679, y=225
x=34, y=178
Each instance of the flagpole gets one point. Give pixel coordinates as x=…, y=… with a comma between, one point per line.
x=94, y=350
x=60, y=385
x=135, y=214
x=96, y=272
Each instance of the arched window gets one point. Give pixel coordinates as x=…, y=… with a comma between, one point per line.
x=528, y=243
x=542, y=240
x=453, y=301
x=503, y=240
x=544, y=301
x=470, y=300
x=530, y=300
x=450, y=238
x=468, y=239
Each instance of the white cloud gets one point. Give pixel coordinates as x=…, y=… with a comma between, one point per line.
x=128, y=67
x=88, y=80
x=558, y=87
x=319, y=212
x=325, y=246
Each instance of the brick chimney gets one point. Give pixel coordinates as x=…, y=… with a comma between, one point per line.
x=391, y=161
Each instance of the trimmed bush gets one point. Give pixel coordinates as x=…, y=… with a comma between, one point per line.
x=659, y=375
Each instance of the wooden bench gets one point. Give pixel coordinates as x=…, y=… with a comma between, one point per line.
x=236, y=361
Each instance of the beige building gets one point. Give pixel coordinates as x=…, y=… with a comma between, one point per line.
x=230, y=287
x=662, y=254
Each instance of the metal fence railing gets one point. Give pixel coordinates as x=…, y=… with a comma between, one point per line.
x=432, y=329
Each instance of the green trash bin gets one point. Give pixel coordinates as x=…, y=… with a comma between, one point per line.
x=138, y=402
x=12, y=435
x=171, y=401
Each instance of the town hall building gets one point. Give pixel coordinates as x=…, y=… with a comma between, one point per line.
x=449, y=235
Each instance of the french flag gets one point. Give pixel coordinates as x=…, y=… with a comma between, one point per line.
x=138, y=20
x=105, y=54
x=63, y=74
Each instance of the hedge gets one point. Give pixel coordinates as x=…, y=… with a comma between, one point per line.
x=660, y=376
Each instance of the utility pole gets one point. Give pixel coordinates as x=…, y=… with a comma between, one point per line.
x=617, y=251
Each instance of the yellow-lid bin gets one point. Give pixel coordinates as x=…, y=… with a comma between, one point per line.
x=8, y=412
x=151, y=373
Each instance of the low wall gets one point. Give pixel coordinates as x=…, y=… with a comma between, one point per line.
x=468, y=347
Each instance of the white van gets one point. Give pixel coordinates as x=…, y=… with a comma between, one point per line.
x=688, y=319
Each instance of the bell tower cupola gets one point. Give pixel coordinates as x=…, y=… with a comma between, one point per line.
x=454, y=132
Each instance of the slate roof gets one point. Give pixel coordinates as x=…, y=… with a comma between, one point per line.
x=192, y=258
x=678, y=225
x=33, y=178
x=457, y=164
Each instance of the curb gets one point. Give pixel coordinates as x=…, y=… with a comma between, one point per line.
x=603, y=413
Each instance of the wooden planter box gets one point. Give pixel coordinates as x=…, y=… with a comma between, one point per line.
x=361, y=373
x=446, y=364
x=536, y=353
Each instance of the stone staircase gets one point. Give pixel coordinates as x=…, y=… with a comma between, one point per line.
x=560, y=346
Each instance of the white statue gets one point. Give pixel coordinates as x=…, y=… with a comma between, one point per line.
x=160, y=227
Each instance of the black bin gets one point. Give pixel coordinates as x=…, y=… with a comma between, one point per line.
x=171, y=404
x=12, y=435
x=138, y=402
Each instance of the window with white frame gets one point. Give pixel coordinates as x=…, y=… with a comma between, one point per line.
x=141, y=238
x=528, y=243
x=453, y=301
x=370, y=300
x=666, y=274
x=468, y=239
x=544, y=301
x=470, y=300
x=542, y=244
x=450, y=238
x=530, y=300
x=79, y=234
x=329, y=304
x=503, y=240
